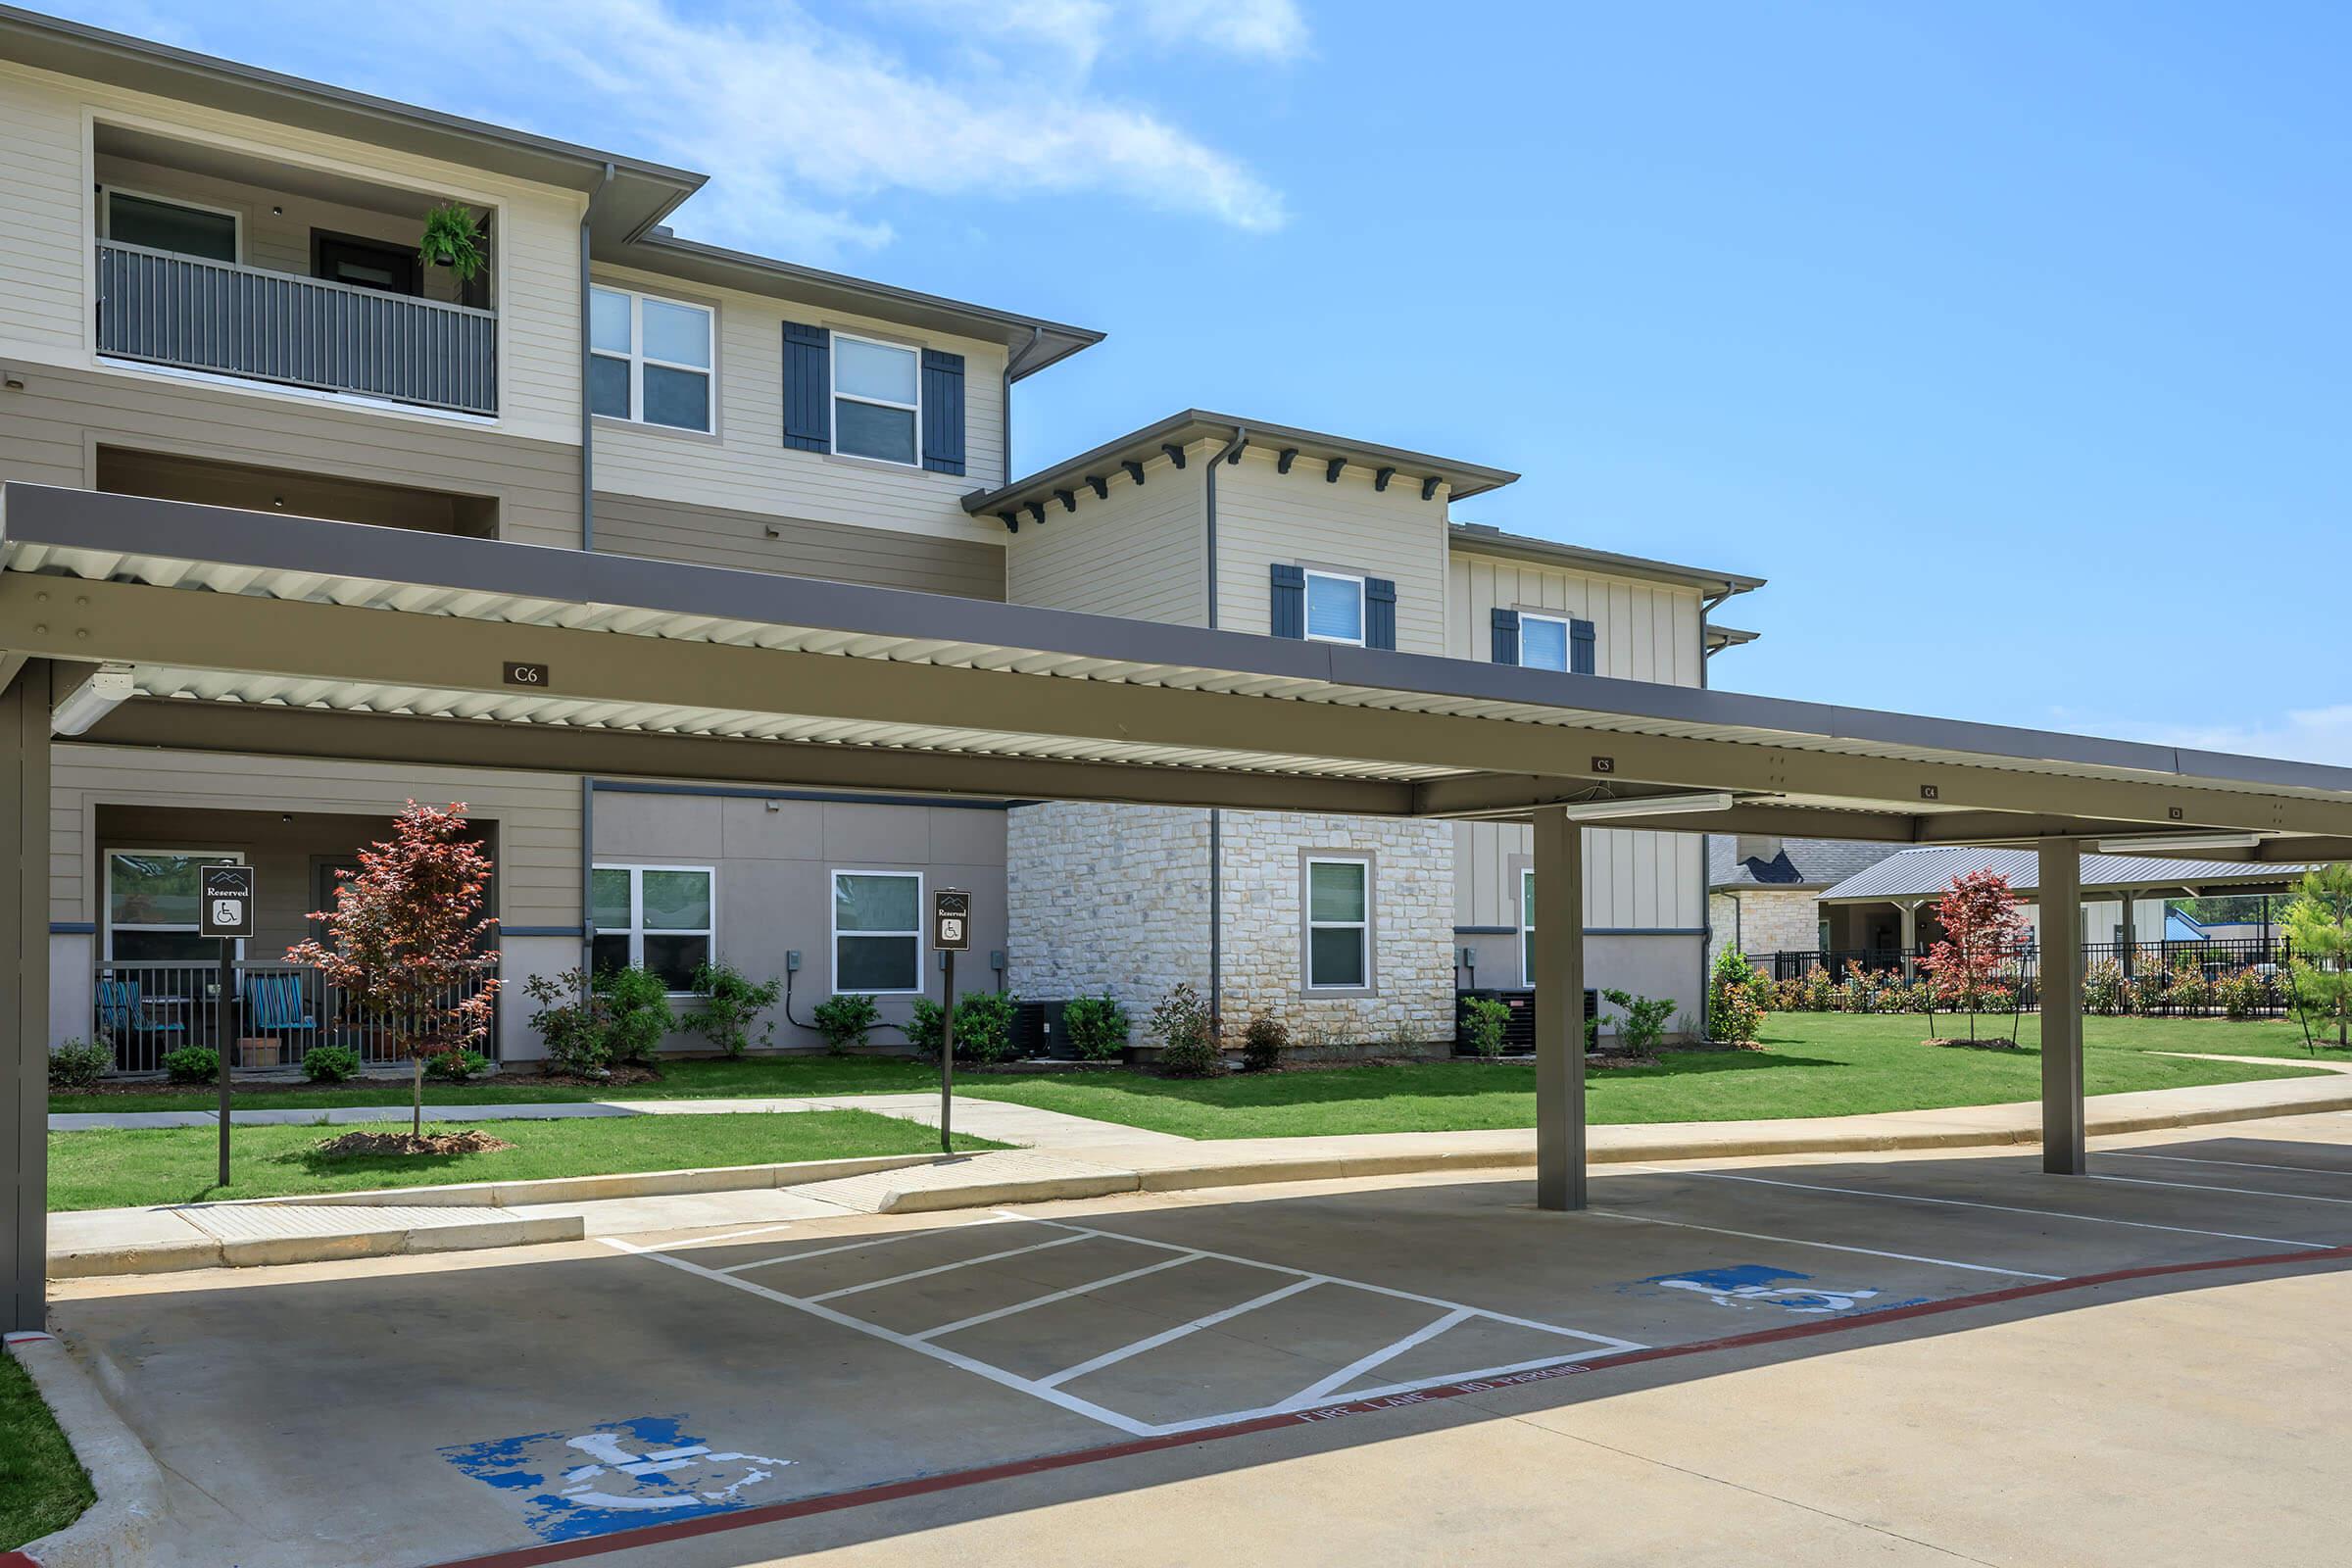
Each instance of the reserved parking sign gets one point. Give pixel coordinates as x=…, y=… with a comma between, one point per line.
x=225, y=908
x=952, y=920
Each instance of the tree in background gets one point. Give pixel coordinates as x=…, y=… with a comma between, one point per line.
x=406, y=940
x=2319, y=933
x=1981, y=928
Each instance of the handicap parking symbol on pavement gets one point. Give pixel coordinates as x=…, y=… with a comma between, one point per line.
x=1749, y=1286
x=616, y=1475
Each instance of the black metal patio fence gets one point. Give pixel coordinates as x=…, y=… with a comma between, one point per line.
x=2239, y=977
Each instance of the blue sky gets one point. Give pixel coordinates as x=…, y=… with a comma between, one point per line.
x=2007, y=339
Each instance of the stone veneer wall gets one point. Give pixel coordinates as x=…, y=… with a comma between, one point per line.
x=1115, y=898
x=1765, y=920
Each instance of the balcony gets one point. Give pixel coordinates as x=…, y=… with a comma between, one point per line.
x=198, y=315
x=145, y=1010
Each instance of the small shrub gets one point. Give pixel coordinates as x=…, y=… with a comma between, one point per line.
x=2191, y=989
x=984, y=1027
x=456, y=1065
x=1485, y=1022
x=637, y=1004
x=572, y=1021
x=2244, y=993
x=79, y=1063
x=1643, y=1023
x=1188, y=1038
x=1096, y=1027
x=1734, y=1019
x=2103, y=989
x=731, y=1003
x=330, y=1064
x=924, y=1027
x=192, y=1064
x=1263, y=1042
x=845, y=1019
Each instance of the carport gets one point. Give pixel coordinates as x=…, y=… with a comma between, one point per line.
x=257, y=634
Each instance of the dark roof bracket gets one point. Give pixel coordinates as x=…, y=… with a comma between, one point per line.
x=1331, y=471
x=1282, y=463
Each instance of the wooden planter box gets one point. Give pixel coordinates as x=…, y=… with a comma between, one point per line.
x=265, y=1052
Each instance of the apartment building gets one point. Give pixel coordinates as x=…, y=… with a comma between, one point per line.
x=209, y=291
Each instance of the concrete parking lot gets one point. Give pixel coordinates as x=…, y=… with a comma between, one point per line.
x=1897, y=1360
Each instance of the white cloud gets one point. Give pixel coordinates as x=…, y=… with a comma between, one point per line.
x=799, y=121
x=1082, y=30
x=2301, y=734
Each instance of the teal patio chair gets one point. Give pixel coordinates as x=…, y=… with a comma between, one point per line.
x=122, y=1012
x=276, y=1006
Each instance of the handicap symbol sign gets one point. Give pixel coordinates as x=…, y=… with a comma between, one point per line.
x=615, y=1476
x=1748, y=1286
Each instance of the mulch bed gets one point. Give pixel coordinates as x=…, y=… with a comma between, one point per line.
x=469, y=1142
x=1965, y=1044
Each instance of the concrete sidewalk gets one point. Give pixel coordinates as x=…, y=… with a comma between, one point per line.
x=1061, y=1162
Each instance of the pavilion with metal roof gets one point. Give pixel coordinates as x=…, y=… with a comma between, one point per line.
x=258, y=634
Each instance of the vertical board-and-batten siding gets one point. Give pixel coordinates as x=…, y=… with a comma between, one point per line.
x=48, y=233
x=1141, y=552
x=1264, y=516
x=1642, y=881
x=747, y=466
x=538, y=815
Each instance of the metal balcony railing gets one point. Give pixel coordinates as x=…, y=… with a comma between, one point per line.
x=148, y=1009
x=199, y=315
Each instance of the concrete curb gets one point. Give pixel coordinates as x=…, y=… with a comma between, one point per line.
x=122, y=1528
x=206, y=1252
x=593, y=1189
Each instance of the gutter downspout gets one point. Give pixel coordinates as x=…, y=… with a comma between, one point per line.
x=1706, y=846
x=587, y=885
x=588, y=419
x=1216, y=817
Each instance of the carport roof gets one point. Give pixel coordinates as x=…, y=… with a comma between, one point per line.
x=1927, y=872
x=264, y=634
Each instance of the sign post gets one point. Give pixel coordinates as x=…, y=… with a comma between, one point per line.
x=225, y=909
x=950, y=934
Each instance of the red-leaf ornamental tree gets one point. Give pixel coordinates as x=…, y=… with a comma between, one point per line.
x=406, y=941
x=1981, y=929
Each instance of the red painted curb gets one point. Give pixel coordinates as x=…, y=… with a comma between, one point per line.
x=953, y=1480
x=16, y=1559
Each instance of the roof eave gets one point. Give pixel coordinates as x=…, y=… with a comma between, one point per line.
x=1479, y=539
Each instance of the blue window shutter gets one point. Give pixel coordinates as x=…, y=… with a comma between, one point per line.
x=808, y=388
x=1379, y=613
x=1506, y=636
x=1580, y=648
x=943, y=412
x=1288, y=616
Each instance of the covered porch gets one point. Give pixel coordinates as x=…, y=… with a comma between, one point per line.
x=283, y=637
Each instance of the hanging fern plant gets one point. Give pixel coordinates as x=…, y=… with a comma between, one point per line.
x=451, y=240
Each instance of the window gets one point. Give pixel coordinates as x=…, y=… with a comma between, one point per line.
x=1542, y=641
x=1527, y=927
x=129, y=219
x=649, y=359
x=1335, y=607
x=877, y=400
x=878, y=931
x=658, y=916
x=1339, y=925
x=151, y=897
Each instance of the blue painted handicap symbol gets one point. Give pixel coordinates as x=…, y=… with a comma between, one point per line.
x=1749, y=1286
x=616, y=1475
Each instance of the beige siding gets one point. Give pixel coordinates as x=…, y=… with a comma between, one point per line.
x=1642, y=632
x=50, y=433
x=47, y=229
x=711, y=536
x=538, y=815
x=1264, y=516
x=747, y=468
x=1142, y=552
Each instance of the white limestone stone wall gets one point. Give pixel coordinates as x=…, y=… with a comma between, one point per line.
x=1106, y=898
x=1765, y=920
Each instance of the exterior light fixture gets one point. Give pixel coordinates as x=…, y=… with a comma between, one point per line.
x=92, y=701
x=1651, y=805
x=2160, y=843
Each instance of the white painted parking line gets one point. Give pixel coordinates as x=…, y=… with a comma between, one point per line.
x=1315, y=1392
x=945, y=1268
x=2208, y=1187
x=721, y=1241
x=1832, y=1247
x=2004, y=1208
x=978, y=1318
x=1154, y=1342
x=852, y=1247
x=2238, y=1164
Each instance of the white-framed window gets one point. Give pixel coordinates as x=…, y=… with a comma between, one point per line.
x=1543, y=641
x=659, y=918
x=877, y=400
x=1527, y=926
x=151, y=903
x=1338, y=924
x=1335, y=607
x=878, y=931
x=650, y=359
x=168, y=224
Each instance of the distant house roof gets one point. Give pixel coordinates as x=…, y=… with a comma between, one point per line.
x=1927, y=872
x=1794, y=863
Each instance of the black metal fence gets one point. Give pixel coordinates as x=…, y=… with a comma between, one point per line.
x=2237, y=977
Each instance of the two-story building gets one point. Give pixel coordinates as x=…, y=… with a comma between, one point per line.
x=211, y=292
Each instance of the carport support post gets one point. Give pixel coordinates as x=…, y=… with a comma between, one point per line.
x=25, y=998
x=2061, y=893
x=1559, y=962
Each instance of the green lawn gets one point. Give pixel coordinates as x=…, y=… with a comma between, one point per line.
x=1812, y=1064
x=42, y=1486
x=111, y=1169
